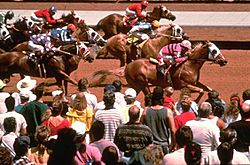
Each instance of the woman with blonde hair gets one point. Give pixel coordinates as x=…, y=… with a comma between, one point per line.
x=79, y=111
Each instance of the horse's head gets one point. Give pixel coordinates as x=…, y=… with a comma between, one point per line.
x=21, y=25
x=85, y=53
x=162, y=12
x=70, y=18
x=177, y=31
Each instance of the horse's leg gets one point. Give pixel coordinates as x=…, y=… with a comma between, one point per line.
x=66, y=77
x=196, y=89
x=204, y=87
x=65, y=86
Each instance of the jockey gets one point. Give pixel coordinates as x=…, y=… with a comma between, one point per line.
x=46, y=16
x=136, y=11
x=171, y=54
x=4, y=16
x=64, y=34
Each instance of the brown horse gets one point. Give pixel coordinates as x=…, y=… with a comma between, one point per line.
x=118, y=46
x=140, y=73
x=114, y=23
x=59, y=66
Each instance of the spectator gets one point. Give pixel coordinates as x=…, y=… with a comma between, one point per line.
x=168, y=99
x=160, y=120
x=79, y=111
x=133, y=136
x=205, y=133
x=20, y=120
x=96, y=136
x=9, y=137
x=110, y=116
x=24, y=99
x=183, y=137
x=119, y=97
x=85, y=153
x=5, y=157
x=3, y=96
x=110, y=156
x=193, y=154
x=56, y=122
x=39, y=154
x=91, y=99
x=246, y=95
x=225, y=153
x=21, y=146
x=33, y=113
x=65, y=149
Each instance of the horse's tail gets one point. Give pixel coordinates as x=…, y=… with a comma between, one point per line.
x=100, y=76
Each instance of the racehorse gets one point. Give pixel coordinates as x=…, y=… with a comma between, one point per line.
x=17, y=33
x=119, y=47
x=141, y=73
x=59, y=66
x=114, y=23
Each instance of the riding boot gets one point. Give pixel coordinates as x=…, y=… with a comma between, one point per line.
x=161, y=69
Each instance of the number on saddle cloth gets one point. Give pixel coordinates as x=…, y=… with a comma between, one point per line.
x=4, y=33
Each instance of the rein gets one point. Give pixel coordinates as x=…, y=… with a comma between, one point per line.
x=16, y=29
x=165, y=35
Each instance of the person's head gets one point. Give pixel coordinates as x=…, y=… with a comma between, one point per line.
x=134, y=113
x=9, y=124
x=42, y=134
x=157, y=96
x=118, y=85
x=71, y=27
x=205, y=110
x=130, y=95
x=52, y=10
x=57, y=107
x=213, y=94
x=2, y=85
x=10, y=103
x=184, y=135
x=185, y=92
x=169, y=91
x=245, y=110
x=186, y=45
x=235, y=99
x=79, y=103
x=225, y=153
x=109, y=88
x=109, y=99
x=246, y=95
x=24, y=97
x=110, y=155
x=193, y=154
x=144, y=4
x=185, y=105
x=9, y=14
x=5, y=156
x=83, y=84
x=97, y=130
x=155, y=24
x=39, y=91
x=228, y=135
x=21, y=145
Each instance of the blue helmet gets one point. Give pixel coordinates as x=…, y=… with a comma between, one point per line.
x=53, y=9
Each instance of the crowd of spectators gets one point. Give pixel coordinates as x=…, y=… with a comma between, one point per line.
x=119, y=130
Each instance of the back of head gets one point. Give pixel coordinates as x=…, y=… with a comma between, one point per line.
x=83, y=84
x=9, y=124
x=39, y=90
x=225, y=153
x=213, y=94
x=193, y=154
x=246, y=95
x=184, y=135
x=205, y=110
x=228, y=135
x=79, y=103
x=10, y=103
x=245, y=110
x=97, y=130
x=109, y=99
x=42, y=134
x=134, y=113
x=157, y=96
x=109, y=88
x=110, y=155
x=21, y=145
x=118, y=85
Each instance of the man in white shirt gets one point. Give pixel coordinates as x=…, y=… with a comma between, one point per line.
x=206, y=134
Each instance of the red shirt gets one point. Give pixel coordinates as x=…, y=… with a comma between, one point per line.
x=168, y=102
x=46, y=15
x=137, y=8
x=54, y=129
x=184, y=117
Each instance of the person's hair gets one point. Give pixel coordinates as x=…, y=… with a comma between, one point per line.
x=185, y=91
x=24, y=99
x=64, y=149
x=83, y=84
x=129, y=100
x=42, y=133
x=192, y=154
x=10, y=103
x=246, y=95
x=213, y=94
x=57, y=107
x=9, y=124
x=157, y=96
x=97, y=130
x=232, y=110
x=110, y=155
x=109, y=99
x=228, y=135
x=21, y=146
x=183, y=135
x=134, y=113
x=185, y=106
x=235, y=99
x=79, y=103
x=118, y=85
x=5, y=156
x=204, y=110
x=39, y=90
x=225, y=153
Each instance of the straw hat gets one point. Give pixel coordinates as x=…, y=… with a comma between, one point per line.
x=2, y=84
x=26, y=84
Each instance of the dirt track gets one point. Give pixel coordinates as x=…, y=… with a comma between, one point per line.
x=233, y=78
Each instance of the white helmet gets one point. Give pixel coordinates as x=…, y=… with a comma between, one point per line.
x=186, y=44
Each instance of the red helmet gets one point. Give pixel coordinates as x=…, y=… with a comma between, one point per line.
x=71, y=27
x=144, y=3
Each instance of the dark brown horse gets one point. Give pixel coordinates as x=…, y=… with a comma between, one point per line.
x=59, y=66
x=114, y=23
x=118, y=46
x=141, y=73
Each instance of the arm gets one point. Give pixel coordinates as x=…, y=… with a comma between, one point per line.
x=142, y=120
x=50, y=19
x=172, y=129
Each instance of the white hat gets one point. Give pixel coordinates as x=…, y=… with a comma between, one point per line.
x=130, y=92
x=25, y=93
x=247, y=102
x=26, y=84
x=2, y=84
x=57, y=92
x=79, y=127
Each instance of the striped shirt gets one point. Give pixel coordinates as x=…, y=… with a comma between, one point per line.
x=171, y=50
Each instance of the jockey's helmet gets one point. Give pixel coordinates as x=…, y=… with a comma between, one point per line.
x=144, y=3
x=186, y=44
x=53, y=10
x=9, y=14
x=71, y=27
x=156, y=23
